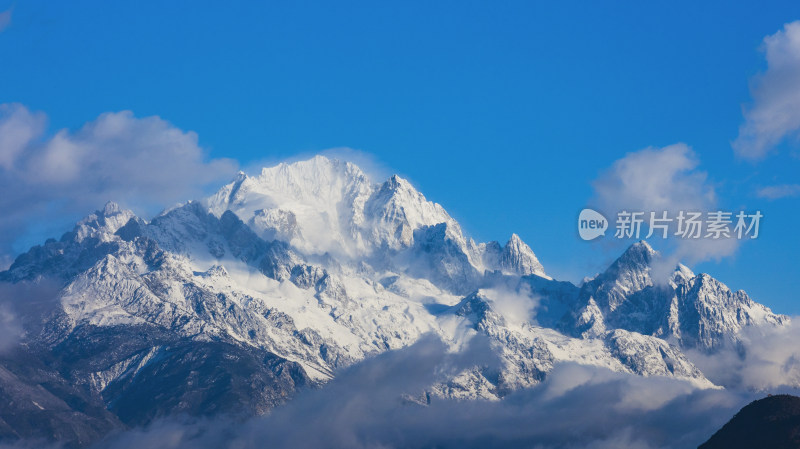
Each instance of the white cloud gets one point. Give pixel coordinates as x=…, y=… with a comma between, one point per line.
x=18, y=128
x=779, y=191
x=143, y=162
x=775, y=112
x=657, y=180
x=5, y=19
x=576, y=406
x=767, y=359
x=516, y=307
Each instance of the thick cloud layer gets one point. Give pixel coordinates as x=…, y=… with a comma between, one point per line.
x=577, y=407
x=775, y=112
x=145, y=163
x=768, y=359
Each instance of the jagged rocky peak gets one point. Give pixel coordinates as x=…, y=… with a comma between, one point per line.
x=722, y=312
x=106, y=221
x=630, y=273
x=682, y=274
x=90, y=240
x=696, y=311
x=396, y=209
x=631, y=270
x=518, y=257
x=637, y=256
x=395, y=183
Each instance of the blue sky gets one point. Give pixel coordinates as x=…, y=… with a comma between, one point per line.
x=503, y=112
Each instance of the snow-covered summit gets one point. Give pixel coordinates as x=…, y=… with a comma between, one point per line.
x=694, y=310
x=518, y=257
x=103, y=222
x=326, y=206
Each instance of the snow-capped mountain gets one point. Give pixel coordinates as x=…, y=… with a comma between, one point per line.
x=694, y=311
x=328, y=207
x=278, y=280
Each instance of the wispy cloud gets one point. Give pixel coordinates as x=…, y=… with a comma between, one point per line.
x=775, y=112
x=143, y=162
x=779, y=191
x=10, y=328
x=22, y=307
x=5, y=19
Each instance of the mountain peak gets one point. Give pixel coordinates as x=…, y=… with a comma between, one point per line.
x=333, y=205
x=682, y=273
x=518, y=257
x=641, y=247
x=110, y=218
x=319, y=168
x=639, y=254
x=105, y=221
x=628, y=274
x=395, y=182
x=111, y=208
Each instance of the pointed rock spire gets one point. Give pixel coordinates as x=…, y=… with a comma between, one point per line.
x=518, y=257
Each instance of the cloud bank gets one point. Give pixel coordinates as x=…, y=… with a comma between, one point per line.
x=775, y=112
x=577, y=407
x=146, y=163
x=767, y=359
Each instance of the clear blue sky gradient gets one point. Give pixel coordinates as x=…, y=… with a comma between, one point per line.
x=503, y=112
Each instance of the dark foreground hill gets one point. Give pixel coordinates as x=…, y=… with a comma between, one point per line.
x=772, y=422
